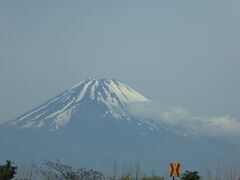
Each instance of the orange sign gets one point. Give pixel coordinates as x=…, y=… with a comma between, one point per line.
x=175, y=169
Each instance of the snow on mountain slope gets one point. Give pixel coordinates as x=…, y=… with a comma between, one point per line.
x=111, y=96
x=92, y=124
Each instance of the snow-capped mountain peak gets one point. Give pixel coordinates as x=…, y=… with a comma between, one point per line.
x=107, y=91
x=110, y=96
x=91, y=124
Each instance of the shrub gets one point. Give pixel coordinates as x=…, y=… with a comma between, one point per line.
x=7, y=171
x=58, y=170
x=190, y=175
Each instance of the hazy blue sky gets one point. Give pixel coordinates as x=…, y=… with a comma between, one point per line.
x=177, y=52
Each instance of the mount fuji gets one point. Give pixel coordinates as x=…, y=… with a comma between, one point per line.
x=90, y=125
x=98, y=98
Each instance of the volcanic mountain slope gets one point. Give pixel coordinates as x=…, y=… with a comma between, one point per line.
x=90, y=124
x=99, y=98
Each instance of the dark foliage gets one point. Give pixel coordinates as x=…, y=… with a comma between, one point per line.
x=190, y=175
x=7, y=171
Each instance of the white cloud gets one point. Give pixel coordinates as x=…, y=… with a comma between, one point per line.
x=225, y=127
